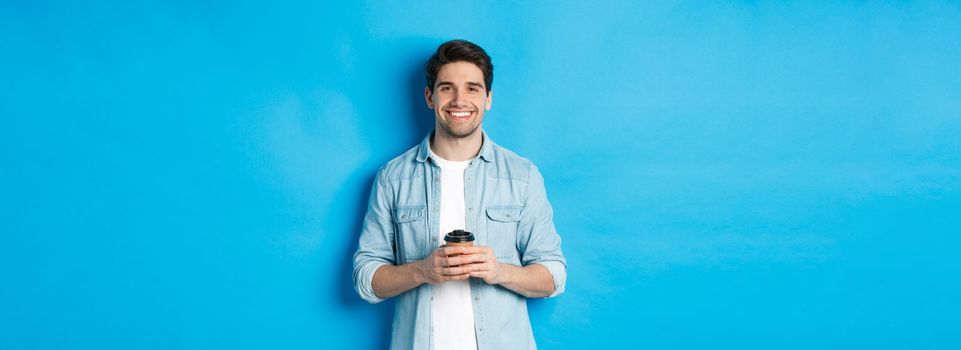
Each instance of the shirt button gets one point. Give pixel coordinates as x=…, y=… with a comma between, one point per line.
x=476, y=298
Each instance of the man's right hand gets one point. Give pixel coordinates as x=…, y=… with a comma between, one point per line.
x=440, y=266
x=436, y=268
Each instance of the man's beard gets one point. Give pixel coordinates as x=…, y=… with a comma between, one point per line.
x=461, y=133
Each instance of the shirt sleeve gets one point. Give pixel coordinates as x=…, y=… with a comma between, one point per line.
x=376, y=244
x=539, y=241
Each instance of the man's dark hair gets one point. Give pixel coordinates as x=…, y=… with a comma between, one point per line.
x=460, y=51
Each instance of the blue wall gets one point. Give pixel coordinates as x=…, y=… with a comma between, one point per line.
x=745, y=175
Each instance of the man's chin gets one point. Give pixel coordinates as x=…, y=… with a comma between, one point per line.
x=461, y=133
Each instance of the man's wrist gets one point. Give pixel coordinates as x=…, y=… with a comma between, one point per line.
x=505, y=273
x=416, y=273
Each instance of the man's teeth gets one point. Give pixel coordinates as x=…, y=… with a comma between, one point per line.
x=460, y=114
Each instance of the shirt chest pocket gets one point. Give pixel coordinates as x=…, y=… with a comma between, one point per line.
x=502, y=224
x=410, y=230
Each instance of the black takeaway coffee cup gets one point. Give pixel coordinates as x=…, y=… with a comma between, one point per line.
x=459, y=238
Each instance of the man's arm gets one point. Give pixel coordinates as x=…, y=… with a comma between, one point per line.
x=537, y=238
x=532, y=281
x=438, y=267
x=390, y=280
x=375, y=247
x=544, y=270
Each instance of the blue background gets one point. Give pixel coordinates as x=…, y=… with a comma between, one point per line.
x=743, y=175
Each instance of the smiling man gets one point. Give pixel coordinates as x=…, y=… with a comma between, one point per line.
x=457, y=178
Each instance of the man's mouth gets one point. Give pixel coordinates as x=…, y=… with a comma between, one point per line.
x=459, y=115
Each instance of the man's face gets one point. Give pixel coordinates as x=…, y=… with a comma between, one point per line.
x=459, y=99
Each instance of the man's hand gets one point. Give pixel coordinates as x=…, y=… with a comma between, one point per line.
x=532, y=281
x=484, y=265
x=440, y=266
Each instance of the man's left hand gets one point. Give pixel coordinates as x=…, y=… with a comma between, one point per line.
x=484, y=265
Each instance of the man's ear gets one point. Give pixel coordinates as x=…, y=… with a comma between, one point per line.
x=490, y=98
x=430, y=104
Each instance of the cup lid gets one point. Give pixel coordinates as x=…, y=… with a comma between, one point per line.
x=459, y=236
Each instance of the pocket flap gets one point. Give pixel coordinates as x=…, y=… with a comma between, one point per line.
x=408, y=214
x=505, y=214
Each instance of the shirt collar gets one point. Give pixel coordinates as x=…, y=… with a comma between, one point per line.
x=486, y=151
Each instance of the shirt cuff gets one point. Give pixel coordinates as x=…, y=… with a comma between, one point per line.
x=559, y=271
x=363, y=282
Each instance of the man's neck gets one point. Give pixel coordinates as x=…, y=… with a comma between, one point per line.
x=456, y=149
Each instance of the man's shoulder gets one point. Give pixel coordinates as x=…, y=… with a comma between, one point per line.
x=510, y=165
x=400, y=167
x=506, y=155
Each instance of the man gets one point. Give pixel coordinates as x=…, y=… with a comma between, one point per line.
x=457, y=178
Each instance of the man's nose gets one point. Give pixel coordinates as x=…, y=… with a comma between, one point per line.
x=458, y=99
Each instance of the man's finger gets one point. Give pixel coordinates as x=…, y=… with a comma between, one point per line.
x=478, y=274
x=473, y=249
x=481, y=258
x=479, y=250
x=485, y=266
x=448, y=251
x=459, y=260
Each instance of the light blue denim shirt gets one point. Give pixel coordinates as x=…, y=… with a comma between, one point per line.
x=507, y=210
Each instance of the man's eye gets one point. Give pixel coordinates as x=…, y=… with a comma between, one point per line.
x=474, y=89
x=446, y=88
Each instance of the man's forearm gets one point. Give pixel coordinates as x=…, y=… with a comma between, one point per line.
x=532, y=281
x=390, y=280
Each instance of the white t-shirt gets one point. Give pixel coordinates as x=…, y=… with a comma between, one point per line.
x=452, y=314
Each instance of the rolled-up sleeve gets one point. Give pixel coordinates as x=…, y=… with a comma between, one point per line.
x=375, y=246
x=539, y=241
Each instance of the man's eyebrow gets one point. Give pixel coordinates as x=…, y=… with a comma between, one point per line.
x=470, y=83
